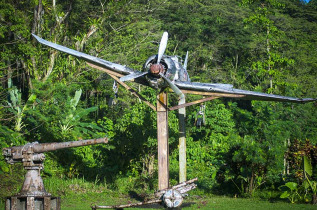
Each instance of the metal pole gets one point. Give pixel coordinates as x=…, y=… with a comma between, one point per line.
x=182, y=141
x=162, y=137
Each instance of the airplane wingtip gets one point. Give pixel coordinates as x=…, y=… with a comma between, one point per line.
x=37, y=37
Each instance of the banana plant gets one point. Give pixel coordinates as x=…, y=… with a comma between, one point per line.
x=17, y=108
x=309, y=183
x=74, y=115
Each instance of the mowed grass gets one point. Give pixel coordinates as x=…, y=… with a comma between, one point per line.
x=79, y=201
x=218, y=202
x=192, y=202
x=78, y=194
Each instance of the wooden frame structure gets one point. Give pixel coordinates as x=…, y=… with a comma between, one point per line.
x=162, y=125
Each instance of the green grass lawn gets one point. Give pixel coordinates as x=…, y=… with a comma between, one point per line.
x=78, y=194
x=84, y=201
x=192, y=202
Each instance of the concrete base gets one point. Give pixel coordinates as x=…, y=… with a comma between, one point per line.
x=33, y=203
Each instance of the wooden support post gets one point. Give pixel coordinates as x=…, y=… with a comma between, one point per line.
x=162, y=138
x=182, y=144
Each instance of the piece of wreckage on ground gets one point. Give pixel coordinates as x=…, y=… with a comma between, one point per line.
x=160, y=72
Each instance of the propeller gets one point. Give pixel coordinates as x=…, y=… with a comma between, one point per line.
x=162, y=47
x=156, y=68
x=133, y=76
x=174, y=87
x=161, y=51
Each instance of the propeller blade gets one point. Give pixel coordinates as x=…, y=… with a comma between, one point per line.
x=186, y=60
x=162, y=47
x=173, y=86
x=132, y=76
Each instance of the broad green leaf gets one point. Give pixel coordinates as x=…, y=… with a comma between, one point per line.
x=307, y=166
x=285, y=194
x=306, y=184
x=291, y=185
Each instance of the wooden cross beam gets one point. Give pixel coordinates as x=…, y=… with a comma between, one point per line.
x=116, y=76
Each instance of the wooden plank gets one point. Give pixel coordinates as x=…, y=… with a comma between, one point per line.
x=127, y=205
x=176, y=187
x=108, y=71
x=133, y=92
x=162, y=137
x=115, y=76
x=213, y=94
x=193, y=103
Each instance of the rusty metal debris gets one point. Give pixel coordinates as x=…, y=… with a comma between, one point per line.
x=33, y=194
x=182, y=187
x=170, y=197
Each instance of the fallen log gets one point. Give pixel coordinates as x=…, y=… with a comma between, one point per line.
x=126, y=205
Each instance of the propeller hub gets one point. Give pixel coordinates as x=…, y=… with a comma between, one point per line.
x=156, y=69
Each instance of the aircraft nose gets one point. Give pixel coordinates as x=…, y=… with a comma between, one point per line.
x=156, y=69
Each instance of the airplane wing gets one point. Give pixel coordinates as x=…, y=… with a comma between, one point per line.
x=91, y=59
x=227, y=90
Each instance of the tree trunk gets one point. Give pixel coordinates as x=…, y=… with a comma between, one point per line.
x=314, y=200
x=36, y=29
x=269, y=57
x=51, y=66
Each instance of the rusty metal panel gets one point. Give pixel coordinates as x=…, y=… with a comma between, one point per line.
x=58, y=203
x=14, y=202
x=47, y=203
x=30, y=203
x=8, y=204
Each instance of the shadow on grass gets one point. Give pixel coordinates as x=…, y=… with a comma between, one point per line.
x=159, y=206
x=136, y=196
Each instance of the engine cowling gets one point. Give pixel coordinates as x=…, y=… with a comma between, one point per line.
x=166, y=67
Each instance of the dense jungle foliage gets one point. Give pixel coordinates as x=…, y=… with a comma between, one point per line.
x=245, y=148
